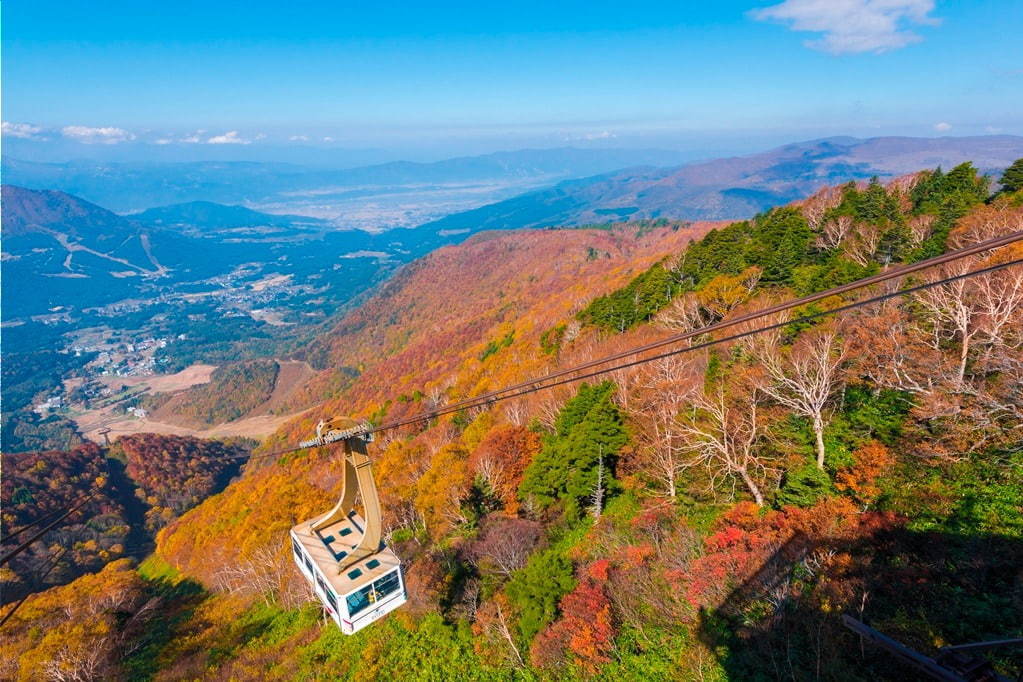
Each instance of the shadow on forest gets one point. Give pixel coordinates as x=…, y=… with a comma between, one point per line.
x=139, y=542
x=924, y=589
x=171, y=603
x=139, y=538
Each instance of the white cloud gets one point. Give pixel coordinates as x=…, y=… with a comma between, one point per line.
x=163, y=140
x=851, y=26
x=106, y=135
x=598, y=135
x=230, y=137
x=299, y=138
x=993, y=130
x=328, y=139
x=943, y=127
x=25, y=131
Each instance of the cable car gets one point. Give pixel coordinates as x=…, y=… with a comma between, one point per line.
x=356, y=577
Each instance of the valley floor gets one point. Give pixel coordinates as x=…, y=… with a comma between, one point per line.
x=258, y=422
x=251, y=427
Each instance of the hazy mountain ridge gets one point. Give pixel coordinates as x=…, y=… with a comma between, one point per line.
x=735, y=187
x=54, y=242
x=138, y=186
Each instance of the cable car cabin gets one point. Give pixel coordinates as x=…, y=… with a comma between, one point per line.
x=350, y=570
x=360, y=593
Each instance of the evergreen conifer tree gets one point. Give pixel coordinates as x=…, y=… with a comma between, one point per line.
x=1012, y=178
x=588, y=427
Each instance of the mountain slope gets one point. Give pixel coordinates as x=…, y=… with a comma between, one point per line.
x=737, y=187
x=26, y=211
x=468, y=295
x=53, y=242
x=139, y=485
x=96, y=238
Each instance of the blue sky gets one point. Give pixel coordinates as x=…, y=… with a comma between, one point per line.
x=478, y=76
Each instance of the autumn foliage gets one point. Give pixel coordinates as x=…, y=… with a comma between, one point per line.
x=77, y=631
x=585, y=632
x=233, y=391
x=137, y=486
x=501, y=460
x=174, y=473
x=39, y=484
x=870, y=461
x=707, y=516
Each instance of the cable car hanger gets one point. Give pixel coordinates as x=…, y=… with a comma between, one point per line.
x=357, y=478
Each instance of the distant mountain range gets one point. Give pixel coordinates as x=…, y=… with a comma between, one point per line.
x=524, y=188
x=54, y=243
x=736, y=187
x=131, y=187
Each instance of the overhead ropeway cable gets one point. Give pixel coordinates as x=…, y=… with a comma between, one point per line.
x=590, y=369
x=25, y=545
x=532, y=387
x=562, y=376
x=30, y=526
x=579, y=372
x=894, y=273
x=42, y=578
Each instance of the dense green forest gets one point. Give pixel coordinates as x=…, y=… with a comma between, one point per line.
x=30, y=371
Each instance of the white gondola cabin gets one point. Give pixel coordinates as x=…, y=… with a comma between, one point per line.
x=356, y=577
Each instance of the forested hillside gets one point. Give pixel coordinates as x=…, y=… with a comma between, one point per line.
x=473, y=296
x=127, y=492
x=233, y=391
x=707, y=516
x=37, y=484
x=172, y=474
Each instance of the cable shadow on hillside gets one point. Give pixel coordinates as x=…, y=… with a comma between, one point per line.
x=924, y=589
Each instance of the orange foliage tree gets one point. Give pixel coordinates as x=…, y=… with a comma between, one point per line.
x=501, y=459
x=870, y=461
x=494, y=639
x=586, y=630
x=442, y=489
